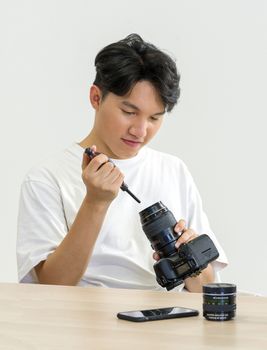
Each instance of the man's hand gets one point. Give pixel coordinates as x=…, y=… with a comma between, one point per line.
x=192, y=284
x=185, y=234
x=101, y=178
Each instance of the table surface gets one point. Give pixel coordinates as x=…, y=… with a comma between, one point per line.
x=60, y=317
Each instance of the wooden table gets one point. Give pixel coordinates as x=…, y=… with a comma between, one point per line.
x=57, y=317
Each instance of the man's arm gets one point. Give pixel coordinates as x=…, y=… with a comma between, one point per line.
x=194, y=284
x=67, y=264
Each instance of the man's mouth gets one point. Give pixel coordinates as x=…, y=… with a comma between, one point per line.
x=132, y=143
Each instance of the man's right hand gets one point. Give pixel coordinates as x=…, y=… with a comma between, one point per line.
x=101, y=178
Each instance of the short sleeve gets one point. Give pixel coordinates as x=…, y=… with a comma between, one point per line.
x=41, y=226
x=198, y=221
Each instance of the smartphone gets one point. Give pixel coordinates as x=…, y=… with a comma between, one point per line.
x=157, y=314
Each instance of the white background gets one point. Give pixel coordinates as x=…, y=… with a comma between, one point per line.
x=47, y=51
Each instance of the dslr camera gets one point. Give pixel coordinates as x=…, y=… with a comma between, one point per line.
x=175, y=264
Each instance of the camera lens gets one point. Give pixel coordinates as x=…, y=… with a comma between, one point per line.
x=152, y=212
x=158, y=224
x=219, y=301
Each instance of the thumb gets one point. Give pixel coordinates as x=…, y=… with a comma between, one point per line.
x=93, y=148
x=86, y=158
x=85, y=161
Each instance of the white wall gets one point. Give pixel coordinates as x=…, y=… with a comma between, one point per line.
x=47, y=51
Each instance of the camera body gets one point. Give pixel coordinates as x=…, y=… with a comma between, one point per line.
x=189, y=260
x=175, y=264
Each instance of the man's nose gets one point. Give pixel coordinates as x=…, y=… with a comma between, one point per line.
x=138, y=129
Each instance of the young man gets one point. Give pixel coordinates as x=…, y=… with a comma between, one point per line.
x=75, y=225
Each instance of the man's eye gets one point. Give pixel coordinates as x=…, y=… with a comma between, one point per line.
x=128, y=113
x=155, y=119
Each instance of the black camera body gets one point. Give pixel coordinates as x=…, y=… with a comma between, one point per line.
x=175, y=264
x=189, y=260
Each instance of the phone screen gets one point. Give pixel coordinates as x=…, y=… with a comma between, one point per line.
x=157, y=314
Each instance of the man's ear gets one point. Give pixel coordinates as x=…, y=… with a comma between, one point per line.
x=95, y=96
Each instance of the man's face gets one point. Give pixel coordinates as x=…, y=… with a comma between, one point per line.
x=124, y=124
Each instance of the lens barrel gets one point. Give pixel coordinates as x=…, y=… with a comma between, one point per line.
x=153, y=212
x=219, y=301
x=158, y=224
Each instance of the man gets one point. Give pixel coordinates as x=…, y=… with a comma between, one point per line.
x=75, y=226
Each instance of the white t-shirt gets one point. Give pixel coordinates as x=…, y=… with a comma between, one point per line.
x=51, y=196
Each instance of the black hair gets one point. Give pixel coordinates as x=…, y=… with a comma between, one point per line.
x=119, y=66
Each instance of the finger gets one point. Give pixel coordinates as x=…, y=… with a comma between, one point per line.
x=111, y=180
x=187, y=236
x=97, y=162
x=106, y=169
x=180, y=226
x=156, y=256
x=86, y=159
x=119, y=180
x=115, y=174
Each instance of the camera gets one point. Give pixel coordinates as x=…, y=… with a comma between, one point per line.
x=174, y=265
